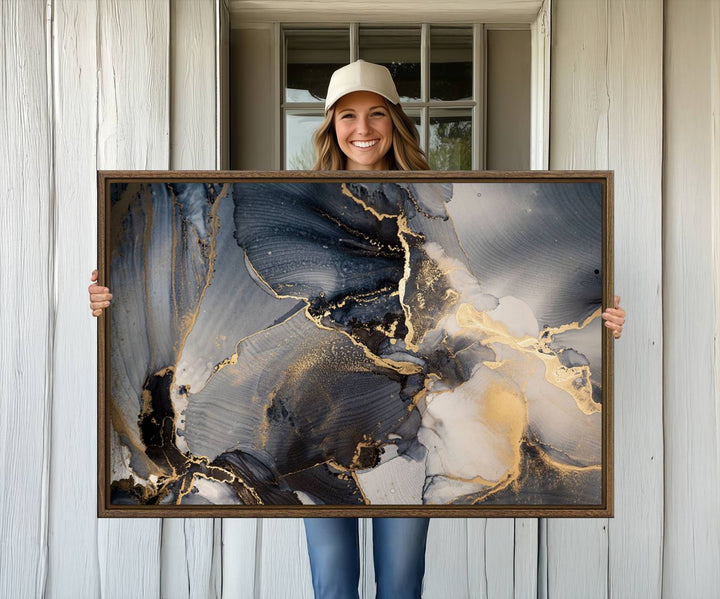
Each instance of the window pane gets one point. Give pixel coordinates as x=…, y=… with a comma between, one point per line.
x=299, y=149
x=311, y=57
x=399, y=50
x=450, y=140
x=414, y=115
x=451, y=68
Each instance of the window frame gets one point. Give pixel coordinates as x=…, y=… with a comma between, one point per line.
x=476, y=106
x=536, y=17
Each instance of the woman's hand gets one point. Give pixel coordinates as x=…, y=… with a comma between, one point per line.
x=99, y=296
x=615, y=318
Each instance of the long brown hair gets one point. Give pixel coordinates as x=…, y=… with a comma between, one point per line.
x=404, y=155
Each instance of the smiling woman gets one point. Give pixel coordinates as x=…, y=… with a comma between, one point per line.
x=364, y=130
x=363, y=107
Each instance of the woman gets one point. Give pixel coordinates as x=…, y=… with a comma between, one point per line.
x=365, y=129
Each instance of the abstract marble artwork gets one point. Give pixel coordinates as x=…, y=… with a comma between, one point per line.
x=297, y=344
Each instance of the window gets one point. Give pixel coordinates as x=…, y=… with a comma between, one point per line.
x=436, y=70
x=468, y=88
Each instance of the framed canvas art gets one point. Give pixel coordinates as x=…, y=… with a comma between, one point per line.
x=355, y=344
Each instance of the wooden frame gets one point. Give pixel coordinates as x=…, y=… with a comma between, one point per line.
x=393, y=286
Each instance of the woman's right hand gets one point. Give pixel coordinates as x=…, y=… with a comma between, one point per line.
x=99, y=296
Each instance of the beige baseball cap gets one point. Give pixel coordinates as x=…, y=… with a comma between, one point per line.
x=361, y=76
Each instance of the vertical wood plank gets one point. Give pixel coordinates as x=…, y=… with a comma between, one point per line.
x=446, y=559
x=577, y=559
x=73, y=561
x=193, y=85
x=187, y=544
x=133, y=127
x=691, y=283
x=526, y=547
x=635, y=87
x=26, y=306
x=187, y=558
x=477, y=567
x=129, y=557
x=715, y=193
x=133, y=131
x=577, y=550
x=282, y=565
x=500, y=557
x=216, y=574
x=578, y=82
x=222, y=62
x=239, y=558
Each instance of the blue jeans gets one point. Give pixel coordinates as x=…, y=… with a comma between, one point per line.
x=398, y=552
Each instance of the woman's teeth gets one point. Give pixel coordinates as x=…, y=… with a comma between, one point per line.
x=364, y=144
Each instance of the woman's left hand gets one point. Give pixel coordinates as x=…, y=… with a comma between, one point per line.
x=615, y=318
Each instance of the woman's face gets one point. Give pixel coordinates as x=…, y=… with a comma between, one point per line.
x=364, y=130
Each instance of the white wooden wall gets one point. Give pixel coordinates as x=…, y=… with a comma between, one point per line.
x=635, y=87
